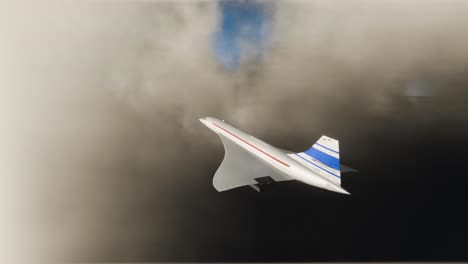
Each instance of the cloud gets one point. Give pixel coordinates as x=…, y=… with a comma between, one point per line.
x=101, y=100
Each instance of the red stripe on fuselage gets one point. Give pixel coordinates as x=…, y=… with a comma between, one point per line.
x=285, y=164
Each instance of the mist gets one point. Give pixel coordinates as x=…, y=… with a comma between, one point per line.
x=104, y=158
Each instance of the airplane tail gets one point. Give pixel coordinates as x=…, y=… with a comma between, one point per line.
x=324, y=158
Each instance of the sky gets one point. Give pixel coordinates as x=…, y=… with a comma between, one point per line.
x=104, y=159
x=243, y=32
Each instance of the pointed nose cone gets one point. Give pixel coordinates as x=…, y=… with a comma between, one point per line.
x=203, y=120
x=207, y=121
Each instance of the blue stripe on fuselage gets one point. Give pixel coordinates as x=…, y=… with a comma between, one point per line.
x=318, y=166
x=324, y=158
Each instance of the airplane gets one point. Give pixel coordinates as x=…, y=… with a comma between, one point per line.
x=249, y=161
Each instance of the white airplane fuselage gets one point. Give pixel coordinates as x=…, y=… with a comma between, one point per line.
x=274, y=157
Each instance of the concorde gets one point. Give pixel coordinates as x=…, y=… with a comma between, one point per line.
x=249, y=161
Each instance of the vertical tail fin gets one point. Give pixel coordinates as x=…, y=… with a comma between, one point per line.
x=323, y=158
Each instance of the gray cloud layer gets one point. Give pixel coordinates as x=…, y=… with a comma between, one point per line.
x=100, y=104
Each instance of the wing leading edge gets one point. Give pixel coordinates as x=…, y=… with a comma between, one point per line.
x=240, y=168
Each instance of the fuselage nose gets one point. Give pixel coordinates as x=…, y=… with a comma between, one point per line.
x=203, y=120
x=207, y=121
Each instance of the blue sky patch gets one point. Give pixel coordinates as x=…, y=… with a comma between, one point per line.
x=242, y=32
